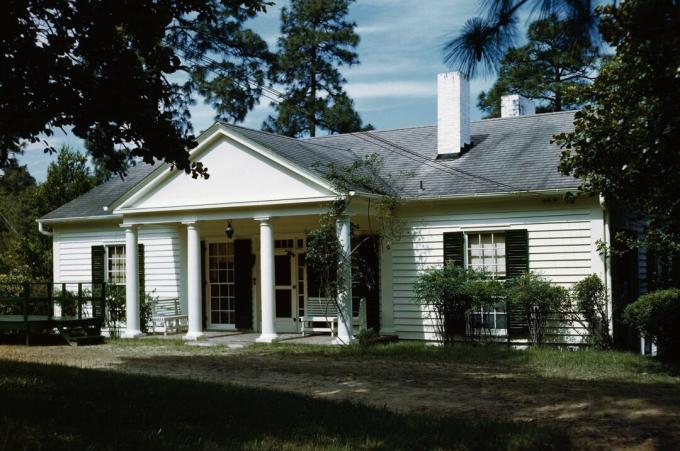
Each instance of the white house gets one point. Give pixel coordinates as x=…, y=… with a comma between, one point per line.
x=485, y=193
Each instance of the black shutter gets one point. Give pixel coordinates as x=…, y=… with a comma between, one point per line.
x=140, y=271
x=243, y=285
x=98, y=264
x=454, y=248
x=516, y=252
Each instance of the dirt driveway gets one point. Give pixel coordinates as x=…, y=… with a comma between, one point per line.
x=598, y=413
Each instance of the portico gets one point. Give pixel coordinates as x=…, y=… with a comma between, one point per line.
x=263, y=289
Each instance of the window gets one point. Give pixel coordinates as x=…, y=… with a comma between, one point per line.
x=492, y=318
x=487, y=251
x=115, y=264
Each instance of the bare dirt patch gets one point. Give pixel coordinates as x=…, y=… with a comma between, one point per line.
x=598, y=413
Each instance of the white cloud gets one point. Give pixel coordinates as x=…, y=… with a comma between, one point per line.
x=395, y=88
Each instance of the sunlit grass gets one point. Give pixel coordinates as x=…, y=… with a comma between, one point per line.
x=541, y=361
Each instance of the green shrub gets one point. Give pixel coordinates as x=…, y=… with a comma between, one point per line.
x=591, y=302
x=656, y=315
x=451, y=292
x=537, y=299
x=116, y=311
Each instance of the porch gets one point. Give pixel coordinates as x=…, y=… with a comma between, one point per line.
x=251, y=280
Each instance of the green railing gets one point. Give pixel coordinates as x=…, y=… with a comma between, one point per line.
x=75, y=300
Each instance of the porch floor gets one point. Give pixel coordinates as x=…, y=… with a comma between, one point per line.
x=241, y=339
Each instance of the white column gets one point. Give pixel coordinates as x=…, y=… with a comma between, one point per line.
x=195, y=311
x=345, y=291
x=132, y=319
x=267, y=298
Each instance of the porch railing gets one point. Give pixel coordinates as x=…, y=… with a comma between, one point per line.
x=72, y=300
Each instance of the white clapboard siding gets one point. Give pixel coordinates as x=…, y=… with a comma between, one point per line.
x=73, y=255
x=560, y=248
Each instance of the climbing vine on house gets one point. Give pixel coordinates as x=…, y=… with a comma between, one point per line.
x=324, y=251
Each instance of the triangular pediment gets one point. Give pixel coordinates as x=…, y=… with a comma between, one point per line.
x=240, y=173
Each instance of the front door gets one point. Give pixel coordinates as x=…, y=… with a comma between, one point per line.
x=285, y=289
x=221, y=291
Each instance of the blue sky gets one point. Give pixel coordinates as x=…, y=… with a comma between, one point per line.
x=395, y=84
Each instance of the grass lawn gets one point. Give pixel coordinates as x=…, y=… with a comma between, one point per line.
x=164, y=394
x=56, y=407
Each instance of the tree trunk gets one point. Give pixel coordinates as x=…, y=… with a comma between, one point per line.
x=311, y=110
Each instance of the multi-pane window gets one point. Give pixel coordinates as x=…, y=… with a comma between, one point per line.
x=486, y=251
x=115, y=264
x=492, y=318
x=221, y=278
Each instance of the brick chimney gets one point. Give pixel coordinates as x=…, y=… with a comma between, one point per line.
x=514, y=105
x=453, y=113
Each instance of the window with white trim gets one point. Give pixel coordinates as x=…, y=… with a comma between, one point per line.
x=115, y=264
x=492, y=318
x=486, y=251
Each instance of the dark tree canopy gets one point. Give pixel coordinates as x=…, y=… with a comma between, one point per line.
x=553, y=68
x=121, y=74
x=316, y=40
x=626, y=143
x=483, y=41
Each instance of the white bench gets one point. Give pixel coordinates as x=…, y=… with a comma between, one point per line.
x=166, y=313
x=323, y=310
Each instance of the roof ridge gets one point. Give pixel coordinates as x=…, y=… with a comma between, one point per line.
x=310, y=138
x=259, y=131
x=526, y=116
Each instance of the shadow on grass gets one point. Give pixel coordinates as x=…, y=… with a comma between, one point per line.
x=55, y=407
x=608, y=399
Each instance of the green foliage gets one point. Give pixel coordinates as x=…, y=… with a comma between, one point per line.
x=656, y=315
x=625, y=141
x=116, y=312
x=17, y=215
x=67, y=178
x=324, y=254
x=483, y=41
x=316, y=41
x=123, y=75
x=553, y=69
x=591, y=302
x=450, y=292
x=537, y=299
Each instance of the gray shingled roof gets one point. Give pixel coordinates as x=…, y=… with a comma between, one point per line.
x=92, y=203
x=507, y=155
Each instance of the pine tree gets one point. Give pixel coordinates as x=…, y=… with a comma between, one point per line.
x=317, y=39
x=553, y=68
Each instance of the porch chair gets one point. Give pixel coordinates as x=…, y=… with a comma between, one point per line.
x=322, y=310
x=166, y=313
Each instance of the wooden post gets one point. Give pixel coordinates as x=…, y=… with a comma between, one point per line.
x=103, y=301
x=50, y=301
x=80, y=300
x=63, y=297
x=27, y=292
